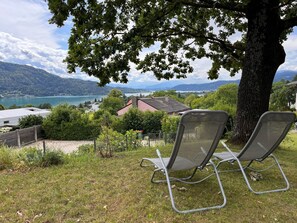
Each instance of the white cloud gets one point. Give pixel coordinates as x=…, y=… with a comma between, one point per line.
x=27, y=38
x=24, y=51
x=28, y=19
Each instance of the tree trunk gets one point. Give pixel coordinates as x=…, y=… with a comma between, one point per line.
x=263, y=55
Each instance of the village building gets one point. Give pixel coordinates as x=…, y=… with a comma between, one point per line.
x=10, y=117
x=166, y=104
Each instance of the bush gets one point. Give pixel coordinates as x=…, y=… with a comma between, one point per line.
x=67, y=123
x=133, y=119
x=30, y=120
x=28, y=157
x=52, y=158
x=110, y=141
x=152, y=121
x=31, y=156
x=85, y=149
x=132, y=140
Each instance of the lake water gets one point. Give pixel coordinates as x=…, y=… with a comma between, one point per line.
x=55, y=100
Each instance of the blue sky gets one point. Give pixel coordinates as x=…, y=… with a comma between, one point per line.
x=26, y=37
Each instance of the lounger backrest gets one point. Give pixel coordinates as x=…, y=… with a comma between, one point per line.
x=197, y=137
x=269, y=132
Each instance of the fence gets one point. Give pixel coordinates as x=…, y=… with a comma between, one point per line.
x=21, y=137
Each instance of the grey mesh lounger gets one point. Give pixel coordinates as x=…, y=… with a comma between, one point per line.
x=269, y=132
x=197, y=137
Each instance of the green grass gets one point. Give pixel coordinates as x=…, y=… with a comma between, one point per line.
x=92, y=189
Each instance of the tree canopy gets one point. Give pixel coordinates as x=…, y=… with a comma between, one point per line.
x=163, y=36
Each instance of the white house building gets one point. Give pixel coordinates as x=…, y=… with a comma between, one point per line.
x=10, y=117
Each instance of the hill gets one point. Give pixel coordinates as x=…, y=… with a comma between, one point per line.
x=202, y=87
x=280, y=75
x=25, y=80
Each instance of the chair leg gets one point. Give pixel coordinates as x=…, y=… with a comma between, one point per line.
x=198, y=209
x=172, y=178
x=267, y=191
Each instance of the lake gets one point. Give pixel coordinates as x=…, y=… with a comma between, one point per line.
x=55, y=100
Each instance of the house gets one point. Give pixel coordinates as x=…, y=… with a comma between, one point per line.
x=10, y=117
x=166, y=104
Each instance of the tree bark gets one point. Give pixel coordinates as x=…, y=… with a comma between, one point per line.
x=264, y=54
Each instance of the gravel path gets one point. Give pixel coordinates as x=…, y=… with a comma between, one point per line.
x=64, y=146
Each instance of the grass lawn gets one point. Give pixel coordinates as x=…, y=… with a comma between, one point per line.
x=92, y=189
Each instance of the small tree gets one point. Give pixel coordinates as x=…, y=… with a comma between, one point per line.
x=112, y=104
x=152, y=121
x=133, y=119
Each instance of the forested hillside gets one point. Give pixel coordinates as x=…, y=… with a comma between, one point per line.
x=25, y=80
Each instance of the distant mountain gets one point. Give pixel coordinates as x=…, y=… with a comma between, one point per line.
x=25, y=80
x=280, y=75
x=202, y=87
x=284, y=75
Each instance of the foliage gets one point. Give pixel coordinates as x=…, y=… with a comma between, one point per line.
x=30, y=120
x=52, y=158
x=132, y=140
x=170, y=123
x=110, y=141
x=112, y=104
x=133, y=119
x=169, y=93
x=45, y=106
x=189, y=99
x=85, y=149
x=104, y=117
x=68, y=123
x=152, y=121
x=11, y=159
x=225, y=98
x=2, y=107
x=282, y=96
x=7, y=158
x=115, y=93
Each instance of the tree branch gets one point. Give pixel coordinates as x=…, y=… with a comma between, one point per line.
x=210, y=4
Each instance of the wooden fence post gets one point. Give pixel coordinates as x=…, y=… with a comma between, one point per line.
x=43, y=143
x=95, y=146
x=18, y=138
x=35, y=132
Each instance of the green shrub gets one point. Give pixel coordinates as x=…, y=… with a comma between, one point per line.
x=52, y=158
x=85, y=149
x=133, y=119
x=30, y=120
x=31, y=156
x=110, y=141
x=132, y=140
x=152, y=121
x=67, y=123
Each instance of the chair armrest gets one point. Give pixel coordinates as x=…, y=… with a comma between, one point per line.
x=161, y=159
x=228, y=149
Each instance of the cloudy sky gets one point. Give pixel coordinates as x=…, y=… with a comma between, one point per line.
x=26, y=37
